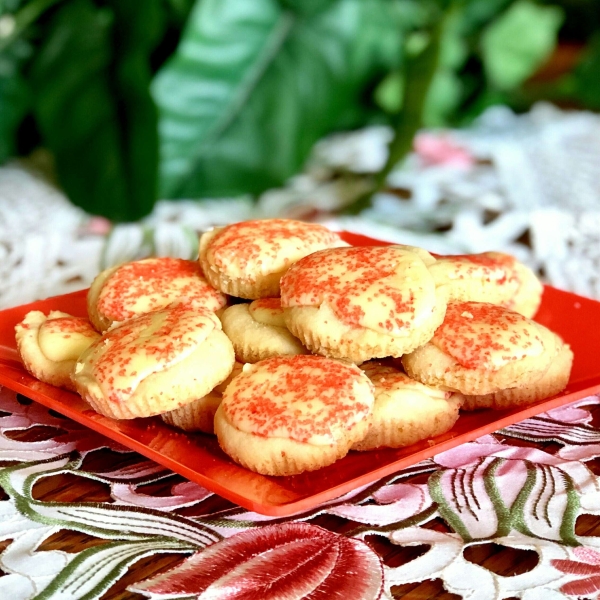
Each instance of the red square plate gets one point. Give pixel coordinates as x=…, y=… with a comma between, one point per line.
x=199, y=458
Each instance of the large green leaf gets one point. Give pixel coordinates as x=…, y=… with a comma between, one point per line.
x=518, y=42
x=253, y=85
x=14, y=99
x=90, y=80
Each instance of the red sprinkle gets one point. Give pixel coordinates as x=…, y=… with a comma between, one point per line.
x=286, y=399
x=177, y=333
x=69, y=325
x=339, y=276
x=261, y=241
x=472, y=331
x=160, y=281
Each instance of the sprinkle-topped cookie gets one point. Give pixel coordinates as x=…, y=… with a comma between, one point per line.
x=482, y=335
x=116, y=372
x=387, y=289
x=139, y=287
x=306, y=398
x=492, y=277
x=247, y=259
x=362, y=302
x=286, y=415
x=481, y=348
x=129, y=353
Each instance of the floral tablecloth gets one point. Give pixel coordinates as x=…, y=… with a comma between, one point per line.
x=525, y=488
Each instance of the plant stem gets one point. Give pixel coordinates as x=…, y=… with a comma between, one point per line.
x=419, y=73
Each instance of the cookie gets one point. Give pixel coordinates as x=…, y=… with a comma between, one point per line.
x=482, y=348
x=405, y=411
x=492, y=277
x=257, y=331
x=50, y=345
x=126, y=291
x=248, y=259
x=552, y=382
x=365, y=302
x=154, y=363
x=199, y=415
x=287, y=415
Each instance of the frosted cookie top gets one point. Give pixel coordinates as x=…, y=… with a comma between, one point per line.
x=493, y=267
x=386, y=289
x=65, y=337
x=489, y=277
x=142, y=286
x=482, y=335
x=264, y=246
x=306, y=398
x=129, y=353
x=267, y=311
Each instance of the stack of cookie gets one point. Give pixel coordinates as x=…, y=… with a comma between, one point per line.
x=295, y=348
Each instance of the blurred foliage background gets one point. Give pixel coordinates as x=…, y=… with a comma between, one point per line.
x=143, y=99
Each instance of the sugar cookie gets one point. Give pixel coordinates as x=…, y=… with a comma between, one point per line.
x=405, y=411
x=154, y=363
x=553, y=381
x=492, y=277
x=50, y=345
x=286, y=415
x=363, y=302
x=199, y=415
x=135, y=288
x=247, y=259
x=481, y=348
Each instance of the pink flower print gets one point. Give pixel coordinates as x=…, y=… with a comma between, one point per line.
x=587, y=568
x=441, y=150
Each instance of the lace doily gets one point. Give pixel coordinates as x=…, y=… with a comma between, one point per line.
x=504, y=489
x=524, y=184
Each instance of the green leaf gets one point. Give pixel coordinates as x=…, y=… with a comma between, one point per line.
x=479, y=13
x=94, y=570
x=518, y=42
x=253, y=86
x=14, y=101
x=90, y=80
x=306, y=7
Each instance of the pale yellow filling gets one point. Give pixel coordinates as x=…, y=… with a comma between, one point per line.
x=267, y=316
x=58, y=346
